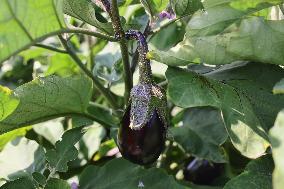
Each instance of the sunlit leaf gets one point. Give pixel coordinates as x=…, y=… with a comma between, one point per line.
x=47, y=98
x=187, y=89
x=219, y=15
x=20, y=158
x=253, y=41
x=24, y=22
x=277, y=142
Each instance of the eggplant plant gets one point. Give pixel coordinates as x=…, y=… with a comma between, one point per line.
x=162, y=94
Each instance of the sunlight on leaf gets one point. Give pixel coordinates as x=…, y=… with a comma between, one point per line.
x=188, y=89
x=277, y=141
x=20, y=24
x=47, y=98
x=20, y=158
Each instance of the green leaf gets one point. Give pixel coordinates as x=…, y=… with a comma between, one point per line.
x=218, y=16
x=256, y=175
x=7, y=137
x=8, y=102
x=47, y=98
x=20, y=158
x=276, y=137
x=64, y=150
x=188, y=89
x=153, y=7
x=252, y=41
x=186, y=7
x=163, y=40
x=23, y=23
x=55, y=183
x=85, y=11
x=256, y=82
x=180, y=55
x=109, y=176
x=25, y=183
x=202, y=137
x=279, y=87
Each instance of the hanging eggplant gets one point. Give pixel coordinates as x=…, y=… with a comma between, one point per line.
x=142, y=133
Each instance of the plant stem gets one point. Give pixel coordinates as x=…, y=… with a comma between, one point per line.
x=115, y=18
x=109, y=97
x=51, y=48
x=88, y=32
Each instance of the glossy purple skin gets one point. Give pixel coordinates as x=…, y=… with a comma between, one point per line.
x=142, y=146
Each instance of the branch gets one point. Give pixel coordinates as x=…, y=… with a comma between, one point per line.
x=115, y=18
x=88, y=32
x=51, y=48
x=109, y=97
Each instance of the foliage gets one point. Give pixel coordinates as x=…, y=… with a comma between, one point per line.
x=65, y=80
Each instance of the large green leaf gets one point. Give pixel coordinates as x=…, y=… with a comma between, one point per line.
x=256, y=81
x=187, y=89
x=120, y=173
x=64, y=150
x=47, y=98
x=20, y=158
x=221, y=14
x=256, y=175
x=202, y=137
x=25, y=22
x=252, y=41
x=85, y=11
x=277, y=141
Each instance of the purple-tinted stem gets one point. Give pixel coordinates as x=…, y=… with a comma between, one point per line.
x=166, y=14
x=139, y=36
x=145, y=73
